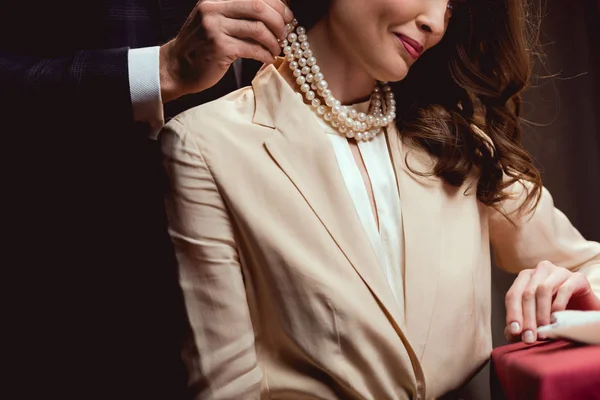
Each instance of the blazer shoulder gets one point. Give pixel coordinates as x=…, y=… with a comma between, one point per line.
x=218, y=116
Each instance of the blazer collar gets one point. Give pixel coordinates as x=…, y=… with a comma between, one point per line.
x=422, y=201
x=302, y=150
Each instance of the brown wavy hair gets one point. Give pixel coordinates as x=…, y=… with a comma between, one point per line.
x=468, y=84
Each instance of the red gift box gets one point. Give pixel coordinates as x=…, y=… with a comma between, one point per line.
x=557, y=370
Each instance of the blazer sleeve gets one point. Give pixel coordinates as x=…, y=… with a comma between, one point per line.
x=543, y=235
x=221, y=358
x=91, y=84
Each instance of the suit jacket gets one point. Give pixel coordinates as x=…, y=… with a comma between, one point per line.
x=283, y=290
x=94, y=310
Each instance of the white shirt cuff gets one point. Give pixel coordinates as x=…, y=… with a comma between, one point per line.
x=144, y=88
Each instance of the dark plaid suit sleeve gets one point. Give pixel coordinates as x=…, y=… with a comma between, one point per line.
x=89, y=84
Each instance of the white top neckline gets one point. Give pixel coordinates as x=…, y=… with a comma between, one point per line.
x=387, y=240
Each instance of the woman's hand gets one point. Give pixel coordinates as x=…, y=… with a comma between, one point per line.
x=539, y=292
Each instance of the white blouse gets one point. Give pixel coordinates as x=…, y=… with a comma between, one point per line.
x=387, y=239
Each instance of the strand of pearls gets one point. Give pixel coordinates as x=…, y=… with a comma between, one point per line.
x=346, y=120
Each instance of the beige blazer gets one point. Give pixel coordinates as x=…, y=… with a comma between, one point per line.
x=283, y=290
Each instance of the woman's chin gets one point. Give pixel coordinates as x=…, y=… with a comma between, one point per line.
x=393, y=72
x=394, y=75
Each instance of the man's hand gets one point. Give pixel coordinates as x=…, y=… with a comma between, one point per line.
x=216, y=33
x=537, y=293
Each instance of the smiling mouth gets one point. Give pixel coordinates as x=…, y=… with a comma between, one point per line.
x=412, y=47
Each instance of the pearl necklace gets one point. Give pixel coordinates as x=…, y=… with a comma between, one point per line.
x=346, y=120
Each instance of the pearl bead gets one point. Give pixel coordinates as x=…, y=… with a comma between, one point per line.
x=346, y=120
x=295, y=22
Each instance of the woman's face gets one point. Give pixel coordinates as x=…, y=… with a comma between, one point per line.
x=385, y=37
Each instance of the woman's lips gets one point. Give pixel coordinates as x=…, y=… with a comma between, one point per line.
x=413, y=47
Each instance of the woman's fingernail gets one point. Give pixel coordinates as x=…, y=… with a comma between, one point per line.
x=515, y=328
x=528, y=337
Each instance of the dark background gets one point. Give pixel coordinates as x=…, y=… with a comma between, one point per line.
x=564, y=133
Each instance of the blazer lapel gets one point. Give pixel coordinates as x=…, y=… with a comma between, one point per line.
x=301, y=149
x=422, y=202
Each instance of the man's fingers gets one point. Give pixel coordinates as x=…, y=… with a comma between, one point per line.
x=282, y=9
x=252, y=50
x=256, y=10
x=254, y=31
